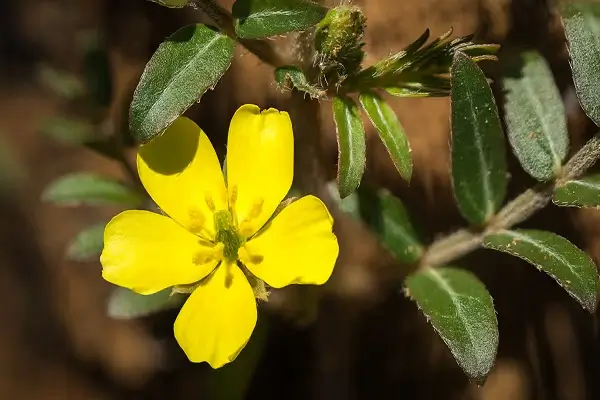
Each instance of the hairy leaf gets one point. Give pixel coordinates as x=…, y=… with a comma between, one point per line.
x=259, y=19
x=582, y=28
x=88, y=243
x=583, y=192
x=462, y=312
x=352, y=145
x=125, y=304
x=294, y=75
x=569, y=266
x=184, y=67
x=88, y=188
x=479, y=170
x=535, y=118
x=390, y=131
x=388, y=219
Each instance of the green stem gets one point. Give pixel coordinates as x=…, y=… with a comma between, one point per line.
x=466, y=240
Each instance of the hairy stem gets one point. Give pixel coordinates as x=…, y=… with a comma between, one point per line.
x=466, y=240
x=225, y=22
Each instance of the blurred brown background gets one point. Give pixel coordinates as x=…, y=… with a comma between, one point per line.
x=367, y=341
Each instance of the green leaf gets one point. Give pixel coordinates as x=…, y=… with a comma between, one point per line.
x=88, y=244
x=125, y=304
x=259, y=19
x=186, y=65
x=98, y=75
x=172, y=3
x=294, y=75
x=582, y=28
x=479, y=170
x=352, y=146
x=62, y=83
x=565, y=263
x=535, y=118
x=583, y=192
x=68, y=131
x=388, y=219
x=87, y=188
x=349, y=204
x=462, y=312
x=79, y=132
x=390, y=131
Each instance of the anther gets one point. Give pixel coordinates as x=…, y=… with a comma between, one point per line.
x=210, y=203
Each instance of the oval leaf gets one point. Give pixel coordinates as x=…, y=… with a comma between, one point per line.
x=535, y=118
x=583, y=192
x=582, y=28
x=125, y=304
x=186, y=65
x=462, y=312
x=569, y=266
x=390, y=131
x=479, y=171
x=259, y=19
x=87, y=188
x=389, y=220
x=352, y=145
x=98, y=75
x=88, y=244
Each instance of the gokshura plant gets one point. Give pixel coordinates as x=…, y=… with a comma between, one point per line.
x=328, y=67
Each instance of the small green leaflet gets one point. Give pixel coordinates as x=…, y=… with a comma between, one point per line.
x=387, y=217
x=535, y=118
x=91, y=189
x=259, y=19
x=582, y=28
x=88, y=243
x=390, y=131
x=583, y=192
x=479, y=172
x=352, y=146
x=571, y=267
x=125, y=304
x=294, y=75
x=462, y=312
x=185, y=66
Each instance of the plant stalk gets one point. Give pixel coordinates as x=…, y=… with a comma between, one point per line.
x=464, y=241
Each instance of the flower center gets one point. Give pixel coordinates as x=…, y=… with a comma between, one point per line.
x=227, y=235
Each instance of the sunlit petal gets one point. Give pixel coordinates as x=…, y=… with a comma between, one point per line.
x=260, y=164
x=298, y=246
x=148, y=252
x=181, y=172
x=217, y=320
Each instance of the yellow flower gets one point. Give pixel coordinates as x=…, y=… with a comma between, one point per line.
x=219, y=240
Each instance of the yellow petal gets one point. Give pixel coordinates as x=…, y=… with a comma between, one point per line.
x=260, y=164
x=181, y=172
x=217, y=320
x=148, y=252
x=298, y=246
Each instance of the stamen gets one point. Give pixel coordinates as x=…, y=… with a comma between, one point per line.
x=197, y=220
x=208, y=254
x=233, y=197
x=209, y=202
x=247, y=227
x=247, y=257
